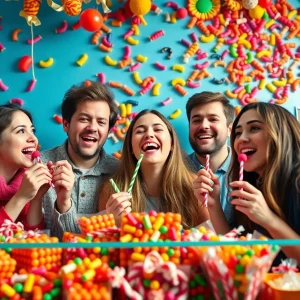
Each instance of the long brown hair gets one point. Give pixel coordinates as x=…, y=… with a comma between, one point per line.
x=282, y=169
x=176, y=192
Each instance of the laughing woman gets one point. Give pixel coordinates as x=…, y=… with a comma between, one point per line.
x=163, y=183
x=268, y=199
x=22, y=183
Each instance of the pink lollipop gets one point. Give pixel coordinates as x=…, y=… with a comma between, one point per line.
x=35, y=157
x=242, y=158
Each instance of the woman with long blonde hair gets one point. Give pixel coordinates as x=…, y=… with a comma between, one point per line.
x=268, y=197
x=163, y=183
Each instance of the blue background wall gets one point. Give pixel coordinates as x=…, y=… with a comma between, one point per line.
x=66, y=48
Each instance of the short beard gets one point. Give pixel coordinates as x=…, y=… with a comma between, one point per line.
x=217, y=147
x=85, y=156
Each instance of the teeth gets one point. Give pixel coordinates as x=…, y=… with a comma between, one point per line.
x=145, y=146
x=28, y=150
x=247, y=150
x=89, y=138
x=204, y=136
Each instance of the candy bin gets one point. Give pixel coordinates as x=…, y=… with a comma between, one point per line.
x=96, y=222
x=283, y=283
x=7, y=265
x=111, y=256
x=86, y=279
x=72, y=253
x=152, y=227
x=199, y=287
x=29, y=258
x=237, y=272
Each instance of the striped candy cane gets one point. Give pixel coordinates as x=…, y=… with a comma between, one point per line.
x=135, y=173
x=206, y=168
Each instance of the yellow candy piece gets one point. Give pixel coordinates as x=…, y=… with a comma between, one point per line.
x=257, y=12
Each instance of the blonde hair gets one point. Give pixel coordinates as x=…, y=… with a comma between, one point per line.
x=176, y=191
x=282, y=169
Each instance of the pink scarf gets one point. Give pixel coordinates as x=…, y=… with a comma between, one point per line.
x=7, y=191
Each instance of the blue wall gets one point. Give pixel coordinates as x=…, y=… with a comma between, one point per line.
x=66, y=48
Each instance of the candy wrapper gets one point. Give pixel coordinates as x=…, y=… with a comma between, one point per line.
x=237, y=272
x=156, y=279
x=286, y=266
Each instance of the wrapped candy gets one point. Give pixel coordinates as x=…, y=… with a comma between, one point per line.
x=9, y=230
x=30, y=11
x=156, y=279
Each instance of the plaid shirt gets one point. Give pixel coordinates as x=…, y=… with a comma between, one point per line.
x=84, y=195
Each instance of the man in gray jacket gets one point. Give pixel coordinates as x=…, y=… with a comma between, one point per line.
x=80, y=165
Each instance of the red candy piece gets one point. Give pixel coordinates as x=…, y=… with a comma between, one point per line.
x=24, y=63
x=181, y=13
x=242, y=157
x=91, y=20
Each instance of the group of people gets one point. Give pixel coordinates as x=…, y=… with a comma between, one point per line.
x=72, y=180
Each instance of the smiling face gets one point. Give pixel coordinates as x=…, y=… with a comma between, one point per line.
x=208, y=132
x=87, y=130
x=151, y=137
x=17, y=142
x=251, y=138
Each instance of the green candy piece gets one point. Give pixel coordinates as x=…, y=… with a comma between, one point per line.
x=111, y=264
x=18, y=287
x=147, y=282
x=265, y=16
x=275, y=248
x=89, y=238
x=170, y=252
x=57, y=283
x=204, y=6
x=77, y=261
x=248, y=88
x=200, y=280
x=239, y=269
x=47, y=296
x=200, y=297
x=237, y=284
x=55, y=292
x=163, y=229
x=192, y=284
x=250, y=252
x=2, y=238
x=146, y=222
x=104, y=251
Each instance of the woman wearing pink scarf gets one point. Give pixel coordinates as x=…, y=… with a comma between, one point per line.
x=22, y=183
